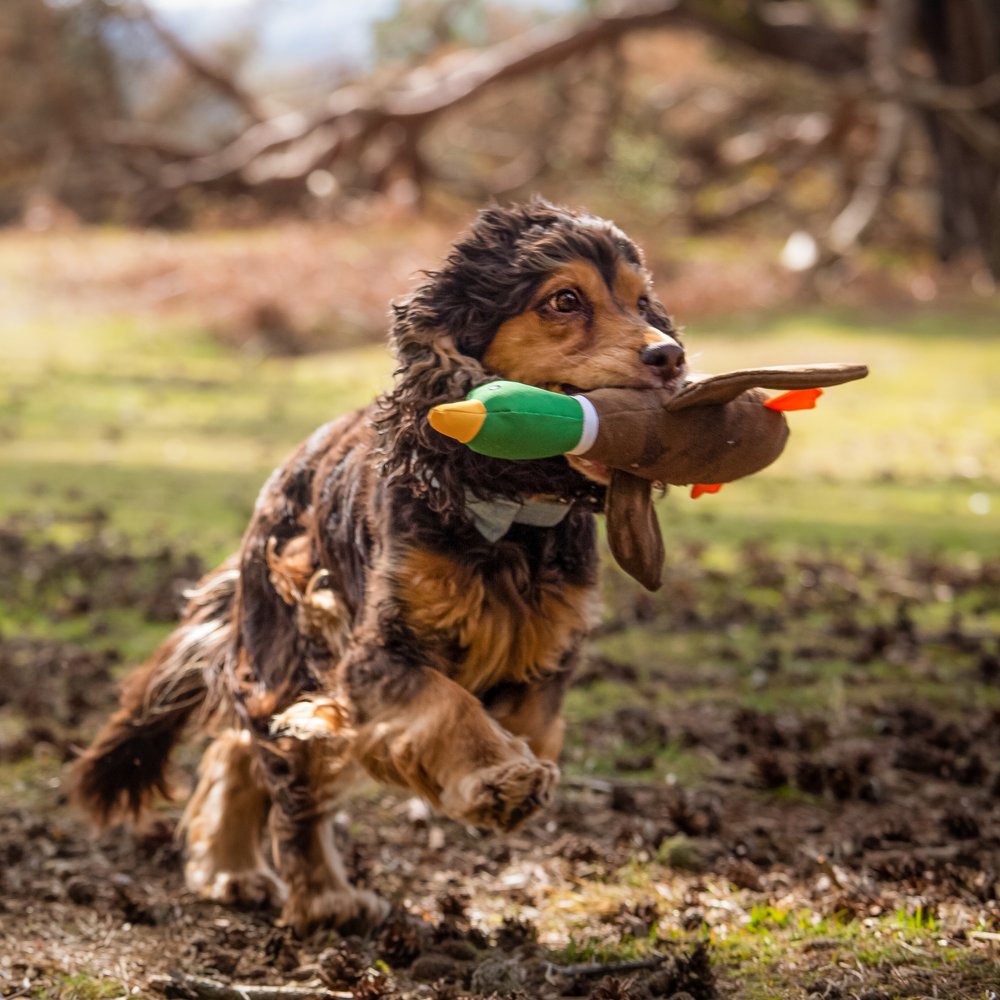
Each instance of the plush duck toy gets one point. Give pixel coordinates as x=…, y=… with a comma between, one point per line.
x=709, y=431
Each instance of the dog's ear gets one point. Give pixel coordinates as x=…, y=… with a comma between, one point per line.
x=633, y=530
x=483, y=280
x=431, y=369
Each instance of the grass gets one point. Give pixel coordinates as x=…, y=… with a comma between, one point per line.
x=773, y=951
x=170, y=436
x=584, y=951
x=798, y=950
x=161, y=428
x=173, y=434
x=82, y=986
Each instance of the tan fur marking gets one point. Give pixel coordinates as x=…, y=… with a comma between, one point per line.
x=299, y=583
x=652, y=336
x=222, y=826
x=505, y=637
x=445, y=748
x=290, y=571
x=533, y=720
x=546, y=349
x=322, y=723
x=630, y=283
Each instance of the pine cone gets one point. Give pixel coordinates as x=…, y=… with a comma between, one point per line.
x=689, y=972
x=374, y=985
x=399, y=942
x=610, y=988
x=514, y=932
x=453, y=905
x=446, y=989
x=340, y=967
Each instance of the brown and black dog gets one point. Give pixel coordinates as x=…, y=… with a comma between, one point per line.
x=400, y=605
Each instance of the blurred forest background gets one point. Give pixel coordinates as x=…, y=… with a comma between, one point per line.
x=781, y=772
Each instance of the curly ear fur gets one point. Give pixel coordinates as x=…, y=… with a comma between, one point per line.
x=432, y=370
x=441, y=332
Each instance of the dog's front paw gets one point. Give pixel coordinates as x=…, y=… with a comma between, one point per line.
x=355, y=908
x=252, y=889
x=504, y=796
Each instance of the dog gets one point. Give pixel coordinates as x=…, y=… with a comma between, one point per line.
x=400, y=606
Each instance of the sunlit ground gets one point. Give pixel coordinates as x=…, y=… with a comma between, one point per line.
x=778, y=591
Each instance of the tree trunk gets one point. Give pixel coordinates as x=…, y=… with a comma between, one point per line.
x=963, y=39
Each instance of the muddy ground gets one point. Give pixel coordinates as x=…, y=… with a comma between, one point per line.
x=728, y=817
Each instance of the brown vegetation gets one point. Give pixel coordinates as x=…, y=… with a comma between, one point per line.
x=836, y=125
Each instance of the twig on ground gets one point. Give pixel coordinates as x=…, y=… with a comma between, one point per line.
x=914, y=949
x=984, y=935
x=203, y=988
x=590, y=784
x=609, y=785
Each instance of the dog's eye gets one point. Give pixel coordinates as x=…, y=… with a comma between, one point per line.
x=643, y=303
x=565, y=301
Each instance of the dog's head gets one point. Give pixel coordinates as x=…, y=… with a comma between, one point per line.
x=545, y=296
x=532, y=293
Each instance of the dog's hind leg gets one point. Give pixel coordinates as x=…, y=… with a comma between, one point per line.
x=222, y=826
x=307, y=765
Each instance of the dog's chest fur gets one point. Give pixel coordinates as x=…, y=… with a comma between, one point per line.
x=491, y=622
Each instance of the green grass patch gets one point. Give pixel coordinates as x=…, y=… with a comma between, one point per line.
x=588, y=950
x=920, y=919
x=82, y=986
x=174, y=433
x=766, y=918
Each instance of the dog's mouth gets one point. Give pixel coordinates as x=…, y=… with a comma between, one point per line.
x=571, y=389
x=576, y=390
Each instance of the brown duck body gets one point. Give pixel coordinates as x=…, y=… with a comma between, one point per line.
x=701, y=444
x=712, y=430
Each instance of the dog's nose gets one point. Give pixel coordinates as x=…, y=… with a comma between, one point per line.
x=668, y=355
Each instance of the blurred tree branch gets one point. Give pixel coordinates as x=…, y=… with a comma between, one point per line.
x=884, y=68
x=353, y=115
x=899, y=69
x=201, y=67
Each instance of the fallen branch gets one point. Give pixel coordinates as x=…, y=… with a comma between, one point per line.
x=180, y=984
x=607, y=786
x=983, y=935
x=606, y=968
x=355, y=115
x=942, y=97
x=139, y=137
x=860, y=212
x=978, y=131
x=201, y=67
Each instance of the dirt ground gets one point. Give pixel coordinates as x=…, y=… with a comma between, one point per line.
x=840, y=851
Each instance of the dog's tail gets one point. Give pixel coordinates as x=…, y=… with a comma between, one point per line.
x=126, y=764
